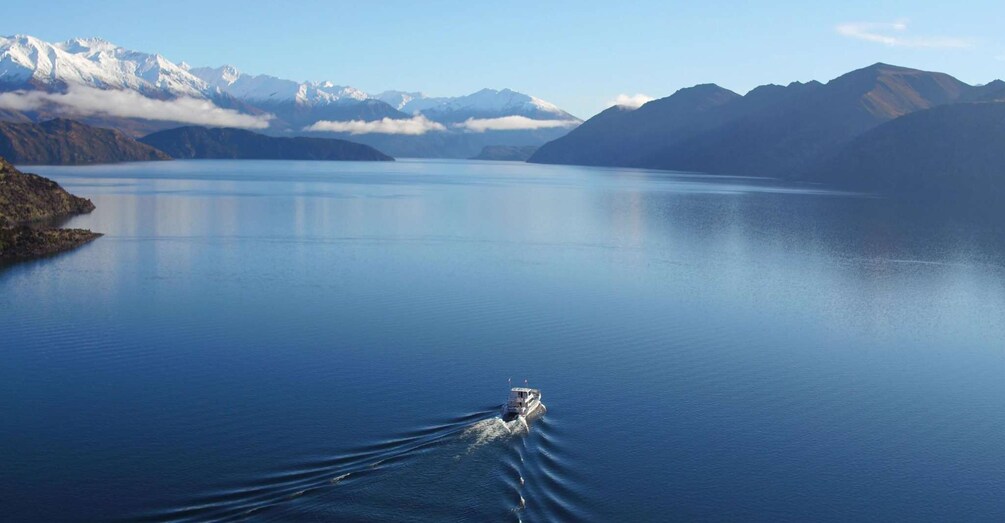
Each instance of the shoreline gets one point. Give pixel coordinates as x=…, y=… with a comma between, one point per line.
x=22, y=243
x=31, y=209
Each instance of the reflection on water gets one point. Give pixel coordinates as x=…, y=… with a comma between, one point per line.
x=312, y=340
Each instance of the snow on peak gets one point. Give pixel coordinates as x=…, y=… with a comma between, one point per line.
x=504, y=102
x=93, y=62
x=28, y=62
x=398, y=99
x=85, y=45
x=265, y=88
x=219, y=77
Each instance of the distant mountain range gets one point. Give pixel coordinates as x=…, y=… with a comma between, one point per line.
x=811, y=131
x=881, y=128
x=222, y=143
x=67, y=142
x=102, y=84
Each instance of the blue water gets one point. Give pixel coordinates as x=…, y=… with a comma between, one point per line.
x=331, y=341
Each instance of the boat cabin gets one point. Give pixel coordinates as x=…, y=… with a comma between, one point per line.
x=520, y=399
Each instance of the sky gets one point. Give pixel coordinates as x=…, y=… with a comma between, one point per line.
x=580, y=55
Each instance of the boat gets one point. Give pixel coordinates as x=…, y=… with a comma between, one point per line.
x=524, y=403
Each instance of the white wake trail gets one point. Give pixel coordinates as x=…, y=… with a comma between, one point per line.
x=492, y=429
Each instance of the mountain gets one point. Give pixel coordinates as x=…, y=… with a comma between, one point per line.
x=26, y=198
x=70, y=143
x=505, y=153
x=398, y=99
x=13, y=116
x=296, y=104
x=990, y=92
x=93, y=65
x=620, y=136
x=265, y=88
x=299, y=105
x=486, y=103
x=92, y=80
x=771, y=131
x=464, y=125
x=782, y=138
x=28, y=62
x=222, y=143
x=952, y=154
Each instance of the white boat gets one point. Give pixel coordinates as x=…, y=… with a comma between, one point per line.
x=523, y=402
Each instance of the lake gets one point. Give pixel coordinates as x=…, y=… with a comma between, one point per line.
x=332, y=341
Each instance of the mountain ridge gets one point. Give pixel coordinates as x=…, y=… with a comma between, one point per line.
x=194, y=142
x=771, y=131
x=952, y=154
x=277, y=106
x=63, y=142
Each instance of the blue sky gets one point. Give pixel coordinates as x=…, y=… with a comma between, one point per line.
x=579, y=55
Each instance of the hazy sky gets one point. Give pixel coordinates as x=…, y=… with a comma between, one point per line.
x=579, y=55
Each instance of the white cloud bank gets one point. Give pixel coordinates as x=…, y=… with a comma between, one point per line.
x=416, y=125
x=88, y=101
x=419, y=124
x=511, y=123
x=893, y=34
x=631, y=101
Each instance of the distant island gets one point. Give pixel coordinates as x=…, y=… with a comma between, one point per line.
x=27, y=201
x=506, y=153
x=67, y=142
x=237, y=144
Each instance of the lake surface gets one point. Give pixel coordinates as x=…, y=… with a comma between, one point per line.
x=331, y=341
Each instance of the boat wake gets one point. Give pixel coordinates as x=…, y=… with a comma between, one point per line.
x=492, y=429
x=376, y=477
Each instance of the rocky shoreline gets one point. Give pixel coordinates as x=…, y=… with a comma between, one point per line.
x=25, y=201
x=21, y=243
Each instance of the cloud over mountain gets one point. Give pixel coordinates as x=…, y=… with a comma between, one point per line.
x=81, y=100
x=101, y=83
x=631, y=101
x=417, y=125
x=511, y=123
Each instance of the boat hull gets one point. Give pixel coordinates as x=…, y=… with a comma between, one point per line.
x=535, y=412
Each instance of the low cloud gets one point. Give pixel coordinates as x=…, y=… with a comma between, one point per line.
x=88, y=101
x=412, y=126
x=631, y=101
x=511, y=123
x=893, y=34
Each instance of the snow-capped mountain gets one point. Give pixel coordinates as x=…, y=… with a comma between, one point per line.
x=269, y=89
x=28, y=62
x=92, y=62
x=398, y=99
x=107, y=85
x=487, y=103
